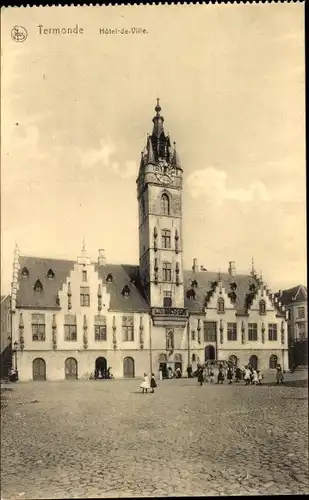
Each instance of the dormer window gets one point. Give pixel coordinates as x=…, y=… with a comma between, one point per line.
x=191, y=294
x=262, y=307
x=25, y=272
x=194, y=284
x=109, y=278
x=126, y=291
x=220, y=305
x=233, y=286
x=252, y=287
x=38, y=287
x=50, y=274
x=214, y=284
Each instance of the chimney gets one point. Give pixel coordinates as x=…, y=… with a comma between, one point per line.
x=232, y=268
x=195, y=265
x=101, y=257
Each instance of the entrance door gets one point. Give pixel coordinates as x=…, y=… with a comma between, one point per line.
x=39, y=369
x=100, y=367
x=178, y=364
x=128, y=368
x=70, y=369
x=253, y=361
x=210, y=353
x=163, y=368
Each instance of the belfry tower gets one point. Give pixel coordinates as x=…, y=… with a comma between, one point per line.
x=159, y=193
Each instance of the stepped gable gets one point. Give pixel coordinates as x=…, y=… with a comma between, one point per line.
x=38, y=268
x=204, y=288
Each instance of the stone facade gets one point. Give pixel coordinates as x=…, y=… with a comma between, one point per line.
x=70, y=317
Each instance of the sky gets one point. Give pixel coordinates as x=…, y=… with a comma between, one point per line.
x=76, y=110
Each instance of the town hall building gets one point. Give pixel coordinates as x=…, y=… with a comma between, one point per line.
x=72, y=317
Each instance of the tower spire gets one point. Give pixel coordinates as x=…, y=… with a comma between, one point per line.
x=157, y=121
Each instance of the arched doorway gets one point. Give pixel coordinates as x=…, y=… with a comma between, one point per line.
x=70, y=369
x=210, y=352
x=253, y=361
x=128, y=368
x=163, y=365
x=178, y=362
x=100, y=367
x=39, y=369
x=233, y=359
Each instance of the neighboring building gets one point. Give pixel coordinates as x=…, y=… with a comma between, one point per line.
x=295, y=302
x=5, y=339
x=71, y=317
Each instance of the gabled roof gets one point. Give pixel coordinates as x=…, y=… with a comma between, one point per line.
x=204, y=288
x=123, y=275
x=292, y=295
x=38, y=268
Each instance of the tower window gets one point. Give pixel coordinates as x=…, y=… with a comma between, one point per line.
x=126, y=291
x=167, y=271
x=84, y=275
x=109, y=278
x=167, y=299
x=165, y=204
x=166, y=238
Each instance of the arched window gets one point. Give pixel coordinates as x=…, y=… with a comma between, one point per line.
x=220, y=305
x=165, y=204
x=262, y=307
x=273, y=361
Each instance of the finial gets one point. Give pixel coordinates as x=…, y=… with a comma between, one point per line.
x=252, y=267
x=261, y=276
x=174, y=146
x=219, y=275
x=158, y=107
x=83, y=246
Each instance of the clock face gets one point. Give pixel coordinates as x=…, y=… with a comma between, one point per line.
x=164, y=171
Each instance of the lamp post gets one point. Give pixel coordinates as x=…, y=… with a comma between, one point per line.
x=15, y=353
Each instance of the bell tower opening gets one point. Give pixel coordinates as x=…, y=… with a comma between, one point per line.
x=159, y=194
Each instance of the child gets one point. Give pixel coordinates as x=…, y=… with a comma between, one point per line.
x=220, y=376
x=212, y=377
x=260, y=377
x=145, y=385
x=153, y=382
x=255, y=378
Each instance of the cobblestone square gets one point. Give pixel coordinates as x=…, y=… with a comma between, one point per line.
x=105, y=439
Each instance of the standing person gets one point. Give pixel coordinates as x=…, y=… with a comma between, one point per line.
x=247, y=375
x=153, y=383
x=260, y=377
x=279, y=374
x=189, y=371
x=145, y=385
x=200, y=376
x=237, y=374
x=255, y=378
x=220, y=375
x=230, y=374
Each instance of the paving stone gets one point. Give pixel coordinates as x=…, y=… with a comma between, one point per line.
x=111, y=443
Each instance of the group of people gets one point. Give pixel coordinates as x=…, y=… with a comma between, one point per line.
x=103, y=374
x=250, y=375
x=149, y=382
